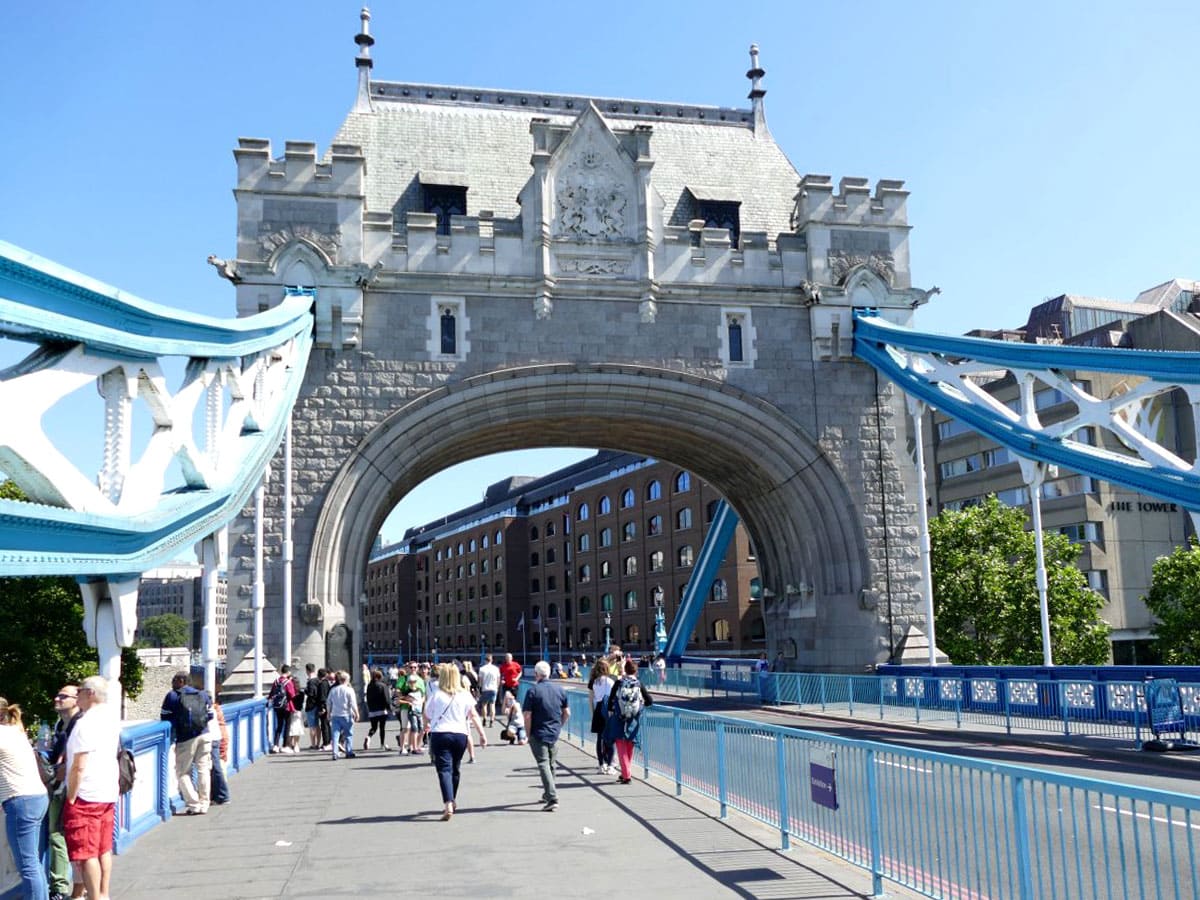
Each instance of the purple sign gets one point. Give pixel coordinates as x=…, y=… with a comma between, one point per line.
x=823, y=785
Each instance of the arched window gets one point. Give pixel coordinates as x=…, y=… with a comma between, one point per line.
x=720, y=630
x=585, y=573
x=632, y=635
x=683, y=518
x=654, y=490
x=499, y=642
x=471, y=640
x=484, y=565
x=549, y=529
x=631, y=599
x=585, y=636
x=535, y=586
x=605, y=568
x=549, y=555
x=552, y=611
x=582, y=513
x=604, y=507
x=685, y=555
x=498, y=538
x=458, y=619
x=471, y=545
x=720, y=591
x=629, y=531
x=471, y=593
x=683, y=482
x=499, y=617
x=483, y=615
x=605, y=537
x=460, y=640
x=627, y=498
x=585, y=604
x=656, y=561
x=498, y=588
x=606, y=603
x=483, y=590
x=449, y=331
x=758, y=629
x=471, y=617
x=551, y=583
x=535, y=613
x=458, y=572
x=534, y=560
x=458, y=595
x=533, y=533
x=711, y=510
x=630, y=565
x=460, y=548
x=654, y=525
x=734, y=325
x=499, y=561
x=585, y=542
x=485, y=541
x=470, y=568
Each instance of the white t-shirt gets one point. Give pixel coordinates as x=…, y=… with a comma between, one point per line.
x=98, y=734
x=601, y=688
x=446, y=712
x=489, y=677
x=19, y=775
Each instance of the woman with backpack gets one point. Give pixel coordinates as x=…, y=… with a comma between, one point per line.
x=280, y=700
x=625, y=704
x=600, y=683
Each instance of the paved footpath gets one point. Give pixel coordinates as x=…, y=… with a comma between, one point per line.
x=304, y=826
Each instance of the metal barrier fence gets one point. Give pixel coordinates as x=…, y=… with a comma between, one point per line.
x=1063, y=706
x=944, y=826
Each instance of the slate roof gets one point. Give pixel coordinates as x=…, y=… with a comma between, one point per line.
x=434, y=128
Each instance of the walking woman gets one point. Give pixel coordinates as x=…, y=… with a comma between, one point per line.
x=626, y=701
x=600, y=683
x=25, y=801
x=449, y=715
x=377, y=708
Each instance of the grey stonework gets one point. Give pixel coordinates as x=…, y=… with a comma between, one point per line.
x=803, y=439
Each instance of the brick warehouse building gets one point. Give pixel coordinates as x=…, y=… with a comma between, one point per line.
x=559, y=554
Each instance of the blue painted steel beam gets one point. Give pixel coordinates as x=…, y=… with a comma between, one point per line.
x=712, y=552
x=873, y=337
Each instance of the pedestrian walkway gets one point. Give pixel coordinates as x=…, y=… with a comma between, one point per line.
x=303, y=826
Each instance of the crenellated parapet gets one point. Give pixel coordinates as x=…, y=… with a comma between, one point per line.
x=853, y=204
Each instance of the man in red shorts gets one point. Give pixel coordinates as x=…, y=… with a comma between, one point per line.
x=92, y=788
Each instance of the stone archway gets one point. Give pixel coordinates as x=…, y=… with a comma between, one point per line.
x=793, y=502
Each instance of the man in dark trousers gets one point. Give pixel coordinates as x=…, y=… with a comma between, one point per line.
x=546, y=713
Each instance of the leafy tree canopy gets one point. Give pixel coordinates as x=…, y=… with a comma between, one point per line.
x=1174, y=599
x=167, y=630
x=985, y=595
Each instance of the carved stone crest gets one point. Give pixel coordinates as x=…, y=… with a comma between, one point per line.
x=593, y=265
x=842, y=261
x=592, y=199
x=327, y=241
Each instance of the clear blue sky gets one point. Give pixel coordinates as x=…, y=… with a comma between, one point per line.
x=1049, y=147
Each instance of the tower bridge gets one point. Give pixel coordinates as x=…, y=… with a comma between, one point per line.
x=481, y=270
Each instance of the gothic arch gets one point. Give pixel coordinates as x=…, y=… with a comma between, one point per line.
x=795, y=506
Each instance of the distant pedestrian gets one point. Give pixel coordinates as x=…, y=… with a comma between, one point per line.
x=660, y=668
x=311, y=703
x=219, y=733
x=25, y=801
x=325, y=684
x=626, y=702
x=296, y=723
x=600, y=684
x=449, y=715
x=93, y=787
x=409, y=694
x=546, y=712
x=514, y=721
x=489, y=685
x=510, y=674
x=378, y=705
x=343, y=713
x=189, y=709
x=280, y=701
x=616, y=661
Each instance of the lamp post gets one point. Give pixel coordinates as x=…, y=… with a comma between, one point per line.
x=482, y=648
x=660, y=622
x=607, y=631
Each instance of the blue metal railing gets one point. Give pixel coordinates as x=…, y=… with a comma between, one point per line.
x=902, y=814
x=1063, y=706
x=155, y=793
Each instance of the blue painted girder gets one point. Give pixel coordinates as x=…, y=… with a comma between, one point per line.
x=704, y=572
x=875, y=337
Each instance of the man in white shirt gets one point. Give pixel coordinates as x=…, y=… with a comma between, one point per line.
x=343, y=713
x=489, y=684
x=92, y=787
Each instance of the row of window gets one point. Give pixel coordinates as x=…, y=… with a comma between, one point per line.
x=469, y=569
x=470, y=546
x=719, y=631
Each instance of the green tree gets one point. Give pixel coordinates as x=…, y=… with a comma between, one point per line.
x=1174, y=599
x=42, y=644
x=167, y=630
x=985, y=592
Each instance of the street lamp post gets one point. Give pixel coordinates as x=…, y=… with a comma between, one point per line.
x=660, y=621
x=607, y=631
x=482, y=648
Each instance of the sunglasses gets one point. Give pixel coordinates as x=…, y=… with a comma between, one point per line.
x=64, y=696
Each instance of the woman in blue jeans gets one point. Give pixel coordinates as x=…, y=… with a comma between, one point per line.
x=25, y=802
x=449, y=715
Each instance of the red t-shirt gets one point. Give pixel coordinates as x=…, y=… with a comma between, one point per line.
x=510, y=673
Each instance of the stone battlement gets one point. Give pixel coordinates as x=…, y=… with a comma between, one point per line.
x=853, y=204
x=298, y=171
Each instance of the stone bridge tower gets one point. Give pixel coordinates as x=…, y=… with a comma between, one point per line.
x=496, y=270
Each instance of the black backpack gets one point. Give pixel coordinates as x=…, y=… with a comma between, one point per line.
x=193, y=715
x=126, y=769
x=278, y=698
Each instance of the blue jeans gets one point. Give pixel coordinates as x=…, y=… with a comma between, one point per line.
x=447, y=749
x=24, y=822
x=220, y=784
x=343, y=727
